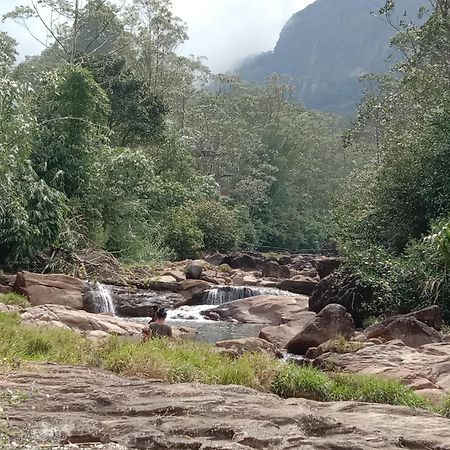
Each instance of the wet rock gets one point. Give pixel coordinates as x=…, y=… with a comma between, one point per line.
x=55, y=289
x=73, y=403
x=263, y=309
x=190, y=289
x=332, y=322
x=299, y=285
x=237, y=347
x=280, y=335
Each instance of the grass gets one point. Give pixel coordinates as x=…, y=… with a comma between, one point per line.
x=14, y=299
x=190, y=361
x=445, y=409
x=342, y=345
x=309, y=382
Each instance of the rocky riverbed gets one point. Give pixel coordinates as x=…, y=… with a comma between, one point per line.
x=73, y=405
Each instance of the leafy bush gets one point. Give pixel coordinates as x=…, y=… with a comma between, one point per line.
x=14, y=299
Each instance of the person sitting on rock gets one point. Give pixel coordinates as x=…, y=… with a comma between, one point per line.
x=157, y=327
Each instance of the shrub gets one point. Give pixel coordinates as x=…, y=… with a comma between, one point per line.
x=14, y=299
x=306, y=382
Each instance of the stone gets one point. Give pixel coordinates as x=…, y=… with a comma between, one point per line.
x=285, y=260
x=261, y=309
x=244, y=261
x=326, y=266
x=271, y=269
x=237, y=347
x=194, y=269
x=430, y=316
x=331, y=323
x=217, y=259
x=299, y=285
x=345, y=290
x=190, y=289
x=280, y=335
x=412, y=332
x=360, y=337
x=422, y=368
x=183, y=332
x=10, y=308
x=167, y=279
x=55, y=289
x=178, y=274
x=90, y=406
x=79, y=320
x=249, y=280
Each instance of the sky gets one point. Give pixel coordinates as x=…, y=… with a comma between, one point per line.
x=224, y=31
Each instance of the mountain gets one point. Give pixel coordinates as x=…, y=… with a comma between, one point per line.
x=327, y=46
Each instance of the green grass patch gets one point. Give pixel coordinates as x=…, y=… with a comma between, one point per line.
x=342, y=345
x=308, y=382
x=14, y=299
x=445, y=409
x=189, y=361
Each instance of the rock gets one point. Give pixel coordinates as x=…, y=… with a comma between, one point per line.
x=10, y=308
x=430, y=316
x=52, y=289
x=83, y=405
x=299, y=285
x=344, y=290
x=244, y=261
x=178, y=274
x=167, y=279
x=426, y=367
x=412, y=332
x=408, y=328
x=326, y=266
x=272, y=269
x=183, y=332
x=285, y=260
x=280, y=335
x=131, y=302
x=79, y=320
x=217, y=259
x=332, y=322
x=250, y=280
x=360, y=337
x=263, y=309
x=189, y=289
x=237, y=347
x=194, y=269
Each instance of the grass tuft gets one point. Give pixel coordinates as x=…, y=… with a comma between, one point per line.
x=14, y=299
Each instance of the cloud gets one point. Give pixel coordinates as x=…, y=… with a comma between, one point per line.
x=224, y=31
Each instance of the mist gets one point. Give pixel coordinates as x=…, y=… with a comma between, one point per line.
x=223, y=31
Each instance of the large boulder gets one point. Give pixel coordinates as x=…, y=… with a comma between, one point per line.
x=194, y=269
x=299, y=285
x=345, y=290
x=263, y=309
x=332, y=322
x=80, y=321
x=408, y=329
x=272, y=269
x=326, y=266
x=280, y=335
x=244, y=261
x=55, y=289
x=237, y=347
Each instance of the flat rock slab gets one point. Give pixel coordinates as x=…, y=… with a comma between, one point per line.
x=261, y=309
x=426, y=367
x=80, y=405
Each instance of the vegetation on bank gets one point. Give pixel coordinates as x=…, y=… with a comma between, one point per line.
x=189, y=361
x=13, y=298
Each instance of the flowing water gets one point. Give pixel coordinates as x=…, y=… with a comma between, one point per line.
x=208, y=330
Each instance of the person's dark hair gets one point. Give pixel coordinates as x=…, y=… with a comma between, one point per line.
x=161, y=313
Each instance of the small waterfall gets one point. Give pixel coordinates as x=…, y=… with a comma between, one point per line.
x=225, y=294
x=103, y=300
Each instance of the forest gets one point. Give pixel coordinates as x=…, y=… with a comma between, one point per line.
x=109, y=139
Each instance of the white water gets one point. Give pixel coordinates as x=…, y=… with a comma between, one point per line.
x=104, y=301
x=185, y=313
x=225, y=294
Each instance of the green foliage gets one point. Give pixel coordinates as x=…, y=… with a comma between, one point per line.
x=14, y=299
x=445, y=410
x=308, y=382
x=305, y=382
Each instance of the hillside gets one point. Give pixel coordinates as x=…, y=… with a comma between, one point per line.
x=327, y=46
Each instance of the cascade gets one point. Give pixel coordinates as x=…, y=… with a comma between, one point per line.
x=225, y=294
x=103, y=300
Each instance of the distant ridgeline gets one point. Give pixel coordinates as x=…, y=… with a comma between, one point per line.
x=328, y=46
